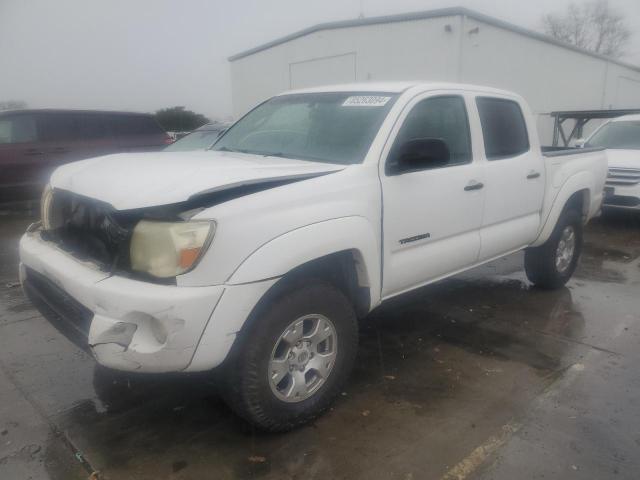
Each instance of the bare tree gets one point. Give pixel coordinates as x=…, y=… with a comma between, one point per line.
x=593, y=26
x=13, y=105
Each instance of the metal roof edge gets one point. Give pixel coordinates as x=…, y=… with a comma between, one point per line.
x=422, y=15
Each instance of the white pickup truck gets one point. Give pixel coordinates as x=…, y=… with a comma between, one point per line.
x=621, y=137
x=259, y=255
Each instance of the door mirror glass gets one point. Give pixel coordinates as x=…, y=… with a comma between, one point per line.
x=419, y=154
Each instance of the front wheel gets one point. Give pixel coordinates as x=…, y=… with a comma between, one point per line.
x=294, y=358
x=551, y=264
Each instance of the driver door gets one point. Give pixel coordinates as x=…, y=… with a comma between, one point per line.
x=433, y=214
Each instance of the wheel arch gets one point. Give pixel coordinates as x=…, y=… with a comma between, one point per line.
x=344, y=251
x=337, y=269
x=576, y=193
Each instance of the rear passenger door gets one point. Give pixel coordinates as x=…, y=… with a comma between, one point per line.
x=431, y=216
x=514, y=172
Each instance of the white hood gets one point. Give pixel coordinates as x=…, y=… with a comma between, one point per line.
x=623, y=158
x=138, y=180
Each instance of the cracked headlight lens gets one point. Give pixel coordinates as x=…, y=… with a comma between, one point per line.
x=167, y=249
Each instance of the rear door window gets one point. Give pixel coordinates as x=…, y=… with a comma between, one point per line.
x=503, y=128
x=131, y=125
x=18, y=129
x=61, y=127
x=93, y=126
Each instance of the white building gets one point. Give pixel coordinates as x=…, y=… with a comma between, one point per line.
x=452, y=44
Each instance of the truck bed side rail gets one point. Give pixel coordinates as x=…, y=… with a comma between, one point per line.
x=562, y=151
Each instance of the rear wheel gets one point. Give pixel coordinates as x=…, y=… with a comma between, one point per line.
x=294, y=358
x=551, y=264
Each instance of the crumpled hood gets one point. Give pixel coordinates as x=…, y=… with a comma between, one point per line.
x=623, y=158
x=138, y=180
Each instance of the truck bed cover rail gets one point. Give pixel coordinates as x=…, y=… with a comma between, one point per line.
x=560, y=152
x=582, y=117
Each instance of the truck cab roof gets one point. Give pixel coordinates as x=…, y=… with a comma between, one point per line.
x=398, y=87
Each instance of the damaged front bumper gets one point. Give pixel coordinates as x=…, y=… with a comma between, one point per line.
x=126, y=324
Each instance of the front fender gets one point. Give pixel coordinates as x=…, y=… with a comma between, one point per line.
x=580, y=182
x=294, y=248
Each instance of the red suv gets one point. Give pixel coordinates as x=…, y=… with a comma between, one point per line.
x=34, y=142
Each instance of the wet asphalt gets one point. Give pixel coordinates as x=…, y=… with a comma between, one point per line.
x=480, y=376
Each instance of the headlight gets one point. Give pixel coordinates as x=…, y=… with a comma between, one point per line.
x=167, y=249
x=45, y=207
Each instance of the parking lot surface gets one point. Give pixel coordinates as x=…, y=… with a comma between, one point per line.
x=480, y=376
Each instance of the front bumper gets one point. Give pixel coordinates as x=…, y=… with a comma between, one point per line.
x=622, y=197
x=126, y=324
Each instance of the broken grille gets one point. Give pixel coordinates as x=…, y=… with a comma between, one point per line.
x=90, y=230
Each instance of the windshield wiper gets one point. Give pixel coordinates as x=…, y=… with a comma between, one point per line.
x=227, y=149
x=277, y=154
x=294, y=156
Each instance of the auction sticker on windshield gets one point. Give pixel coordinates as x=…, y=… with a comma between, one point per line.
x=366, y=101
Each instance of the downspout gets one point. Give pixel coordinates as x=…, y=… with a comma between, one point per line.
x=463, y=18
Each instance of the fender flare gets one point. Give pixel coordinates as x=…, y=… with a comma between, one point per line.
x=294, y=248
x=580, y=182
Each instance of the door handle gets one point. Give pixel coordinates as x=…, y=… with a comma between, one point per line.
x=33, y=151
x=473, y=185
x=533, y=174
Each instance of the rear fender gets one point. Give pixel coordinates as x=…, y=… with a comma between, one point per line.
x=582, y=184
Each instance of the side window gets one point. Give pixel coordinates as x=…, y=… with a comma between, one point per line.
x=145, y=125
x=18, y=129
x=131, y=125
x=443, y=118
x=117, y=124
x=58, y=127
x=93, y=126
x=503, y=128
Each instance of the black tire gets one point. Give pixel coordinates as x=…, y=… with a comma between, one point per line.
x=247, y=387
x=540, y=262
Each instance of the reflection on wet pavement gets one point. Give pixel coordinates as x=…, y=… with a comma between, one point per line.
x=439, y=372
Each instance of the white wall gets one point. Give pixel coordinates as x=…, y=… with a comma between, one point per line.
x=411, y=50
x=321, y=71
x=623, y=88
x=549, y=77
x=453, y=48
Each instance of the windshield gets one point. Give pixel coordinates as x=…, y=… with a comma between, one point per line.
x=327, y=127
x=198, y=140
x=622, y=135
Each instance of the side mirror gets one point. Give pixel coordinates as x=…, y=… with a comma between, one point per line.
x=418, y=154
x=580, y=142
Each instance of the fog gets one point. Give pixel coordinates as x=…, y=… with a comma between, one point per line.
x=149, y=54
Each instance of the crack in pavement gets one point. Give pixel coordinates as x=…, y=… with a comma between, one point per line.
x=55, y=430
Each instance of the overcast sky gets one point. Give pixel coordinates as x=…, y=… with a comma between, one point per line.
x=147, y=54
